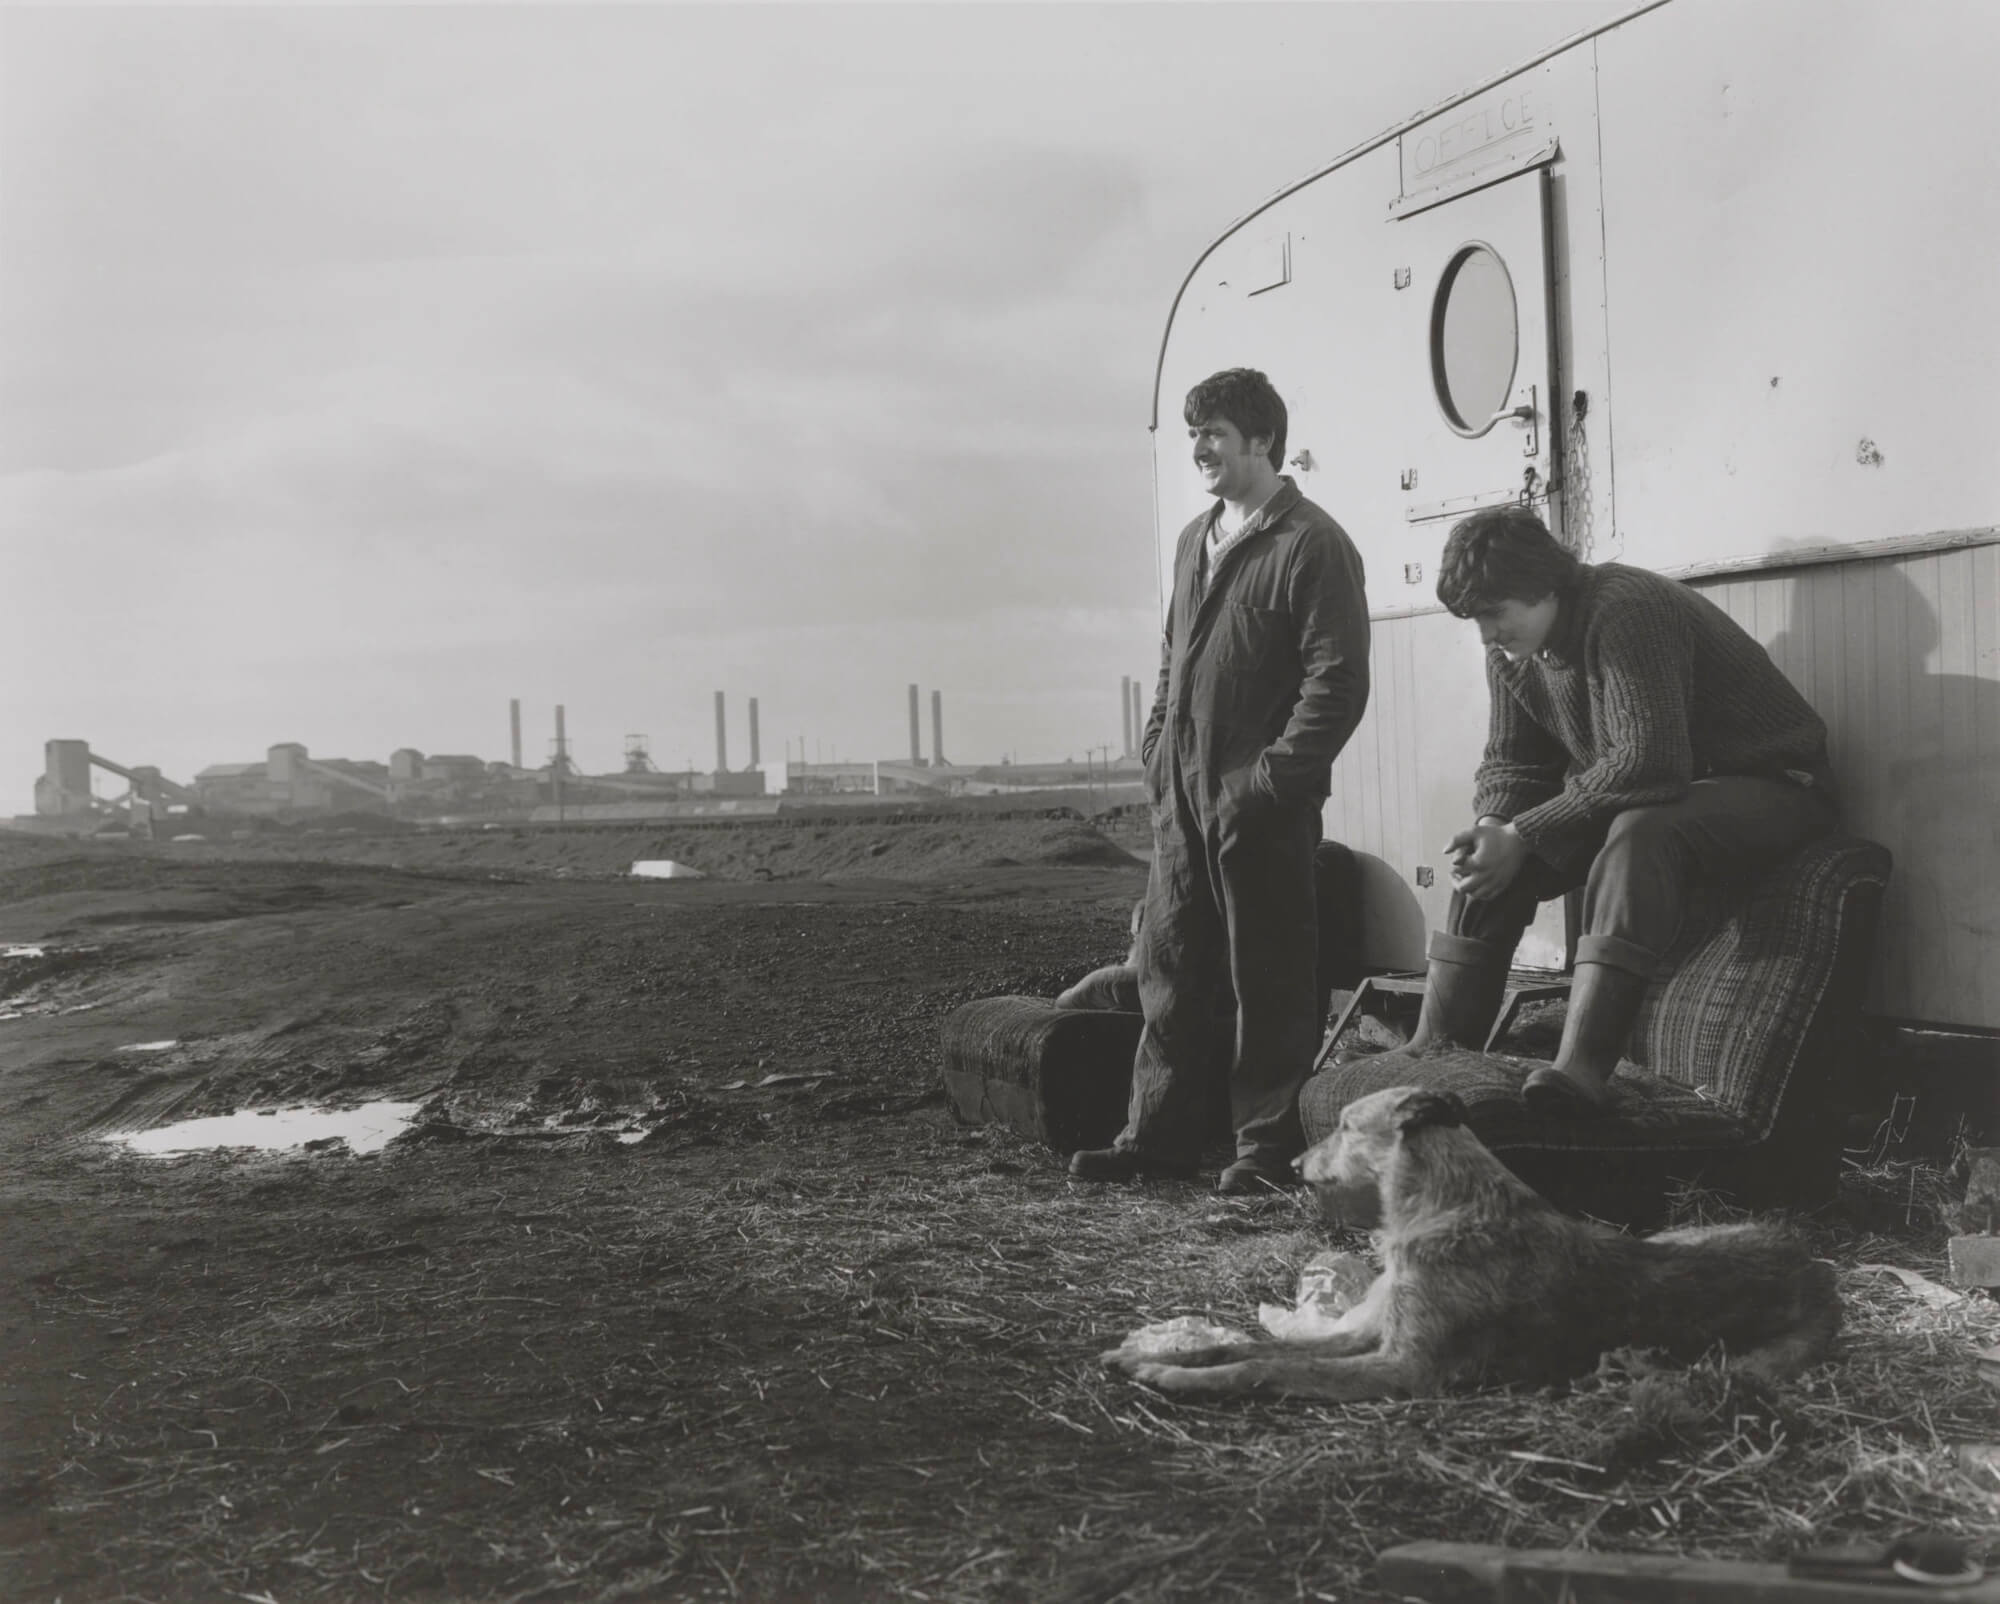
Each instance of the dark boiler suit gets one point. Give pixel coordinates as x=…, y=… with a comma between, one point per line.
x=1263, y=677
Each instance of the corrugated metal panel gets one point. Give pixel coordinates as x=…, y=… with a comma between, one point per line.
x=1902, y=658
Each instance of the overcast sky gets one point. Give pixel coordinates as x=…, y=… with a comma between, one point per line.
x=364, y=367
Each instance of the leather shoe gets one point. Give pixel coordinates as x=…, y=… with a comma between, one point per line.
x=1256, y=1177
x=1125, y=1164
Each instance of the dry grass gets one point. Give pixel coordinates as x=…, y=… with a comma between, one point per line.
x=813, y=1342
x=593, y=1374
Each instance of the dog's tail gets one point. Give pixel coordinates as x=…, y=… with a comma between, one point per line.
x=1780, y=1306
x=1816, y=1303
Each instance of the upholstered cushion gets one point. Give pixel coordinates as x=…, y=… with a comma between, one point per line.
x=1757, y=986
x=1057, y=1075
x=1647, y=1111
x=1745, y=983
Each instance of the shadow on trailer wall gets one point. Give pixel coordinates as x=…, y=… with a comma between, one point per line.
x=1916, y=751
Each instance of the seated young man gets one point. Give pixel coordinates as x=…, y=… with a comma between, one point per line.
x=1639, y=741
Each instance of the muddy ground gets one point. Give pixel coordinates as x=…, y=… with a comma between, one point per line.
x=806, y=1338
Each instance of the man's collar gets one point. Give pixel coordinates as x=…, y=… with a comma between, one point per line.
x=1274, y=507
x=1565, y=640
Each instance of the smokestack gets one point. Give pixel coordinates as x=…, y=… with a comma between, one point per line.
x=561, y=760
x=937, y=729
x=514, y=719
x=916, y=732
x=721, y=738
x=756, y=756
x=1138, y=717
x=1125, y=710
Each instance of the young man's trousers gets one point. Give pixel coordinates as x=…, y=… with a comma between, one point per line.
x=1635, y=887
x=1230, y=903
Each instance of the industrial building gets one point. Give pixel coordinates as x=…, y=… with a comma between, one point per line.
x=290, y=784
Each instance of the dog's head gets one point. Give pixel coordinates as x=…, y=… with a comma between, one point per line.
x=1347, y=1169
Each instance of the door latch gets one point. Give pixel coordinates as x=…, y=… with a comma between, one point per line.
x=1528, y=415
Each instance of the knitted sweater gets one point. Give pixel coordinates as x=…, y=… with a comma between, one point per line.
x=1643, y=687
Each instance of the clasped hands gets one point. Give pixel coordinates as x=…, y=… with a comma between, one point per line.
x=1485, y=859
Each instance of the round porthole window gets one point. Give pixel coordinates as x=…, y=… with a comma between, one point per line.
x=1475, y=339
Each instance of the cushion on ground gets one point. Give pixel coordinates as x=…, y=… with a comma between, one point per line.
x=1060, y=1076
x=1737, y=1052
x=1650, y=1110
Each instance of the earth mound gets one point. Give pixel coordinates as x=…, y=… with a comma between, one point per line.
x=815, y=847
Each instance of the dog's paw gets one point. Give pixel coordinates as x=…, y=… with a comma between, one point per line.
x=1196, y=1381
x=1182, y=1342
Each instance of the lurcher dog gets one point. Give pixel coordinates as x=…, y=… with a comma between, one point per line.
x=1483, y=1281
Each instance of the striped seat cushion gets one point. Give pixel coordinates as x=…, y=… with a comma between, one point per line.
x=1749, y=976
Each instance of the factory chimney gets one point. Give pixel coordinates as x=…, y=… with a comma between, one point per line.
x=561, y=761
x=1125, y=710
x=721, y=738
x=1138, y=717
x=916, y=732
x=514, y=719
x=937, y=729
x=756, y=756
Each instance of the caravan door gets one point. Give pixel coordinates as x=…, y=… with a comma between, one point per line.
x=1474, y=308
x=1473, y=292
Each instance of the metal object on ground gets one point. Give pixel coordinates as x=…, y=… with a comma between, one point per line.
x=1479, y=1573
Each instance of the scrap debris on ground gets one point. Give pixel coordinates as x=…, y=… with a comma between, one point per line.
x=684, y=1283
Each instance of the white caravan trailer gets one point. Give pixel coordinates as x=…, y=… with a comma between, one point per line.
x=1716, y=288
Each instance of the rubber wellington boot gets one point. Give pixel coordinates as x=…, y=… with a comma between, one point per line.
x=1462, y=990
x=1463, y=985
x=1603, y=1004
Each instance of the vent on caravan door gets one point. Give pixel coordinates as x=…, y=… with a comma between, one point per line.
x=1475, y=340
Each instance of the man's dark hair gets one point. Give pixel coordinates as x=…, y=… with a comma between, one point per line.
x=1498, y=555
x=1244, y=397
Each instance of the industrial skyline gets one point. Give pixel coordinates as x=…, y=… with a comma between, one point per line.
x=291, y=775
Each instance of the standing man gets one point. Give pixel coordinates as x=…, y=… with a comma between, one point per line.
x=1639, y=740
x=1263, y=677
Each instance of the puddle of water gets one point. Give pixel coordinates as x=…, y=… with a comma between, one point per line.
x=12, y=950
x=146, y=1047
x=366, y=1129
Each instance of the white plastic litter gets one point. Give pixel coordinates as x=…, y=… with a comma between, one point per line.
x=665, y=869
x=1329, y=1285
